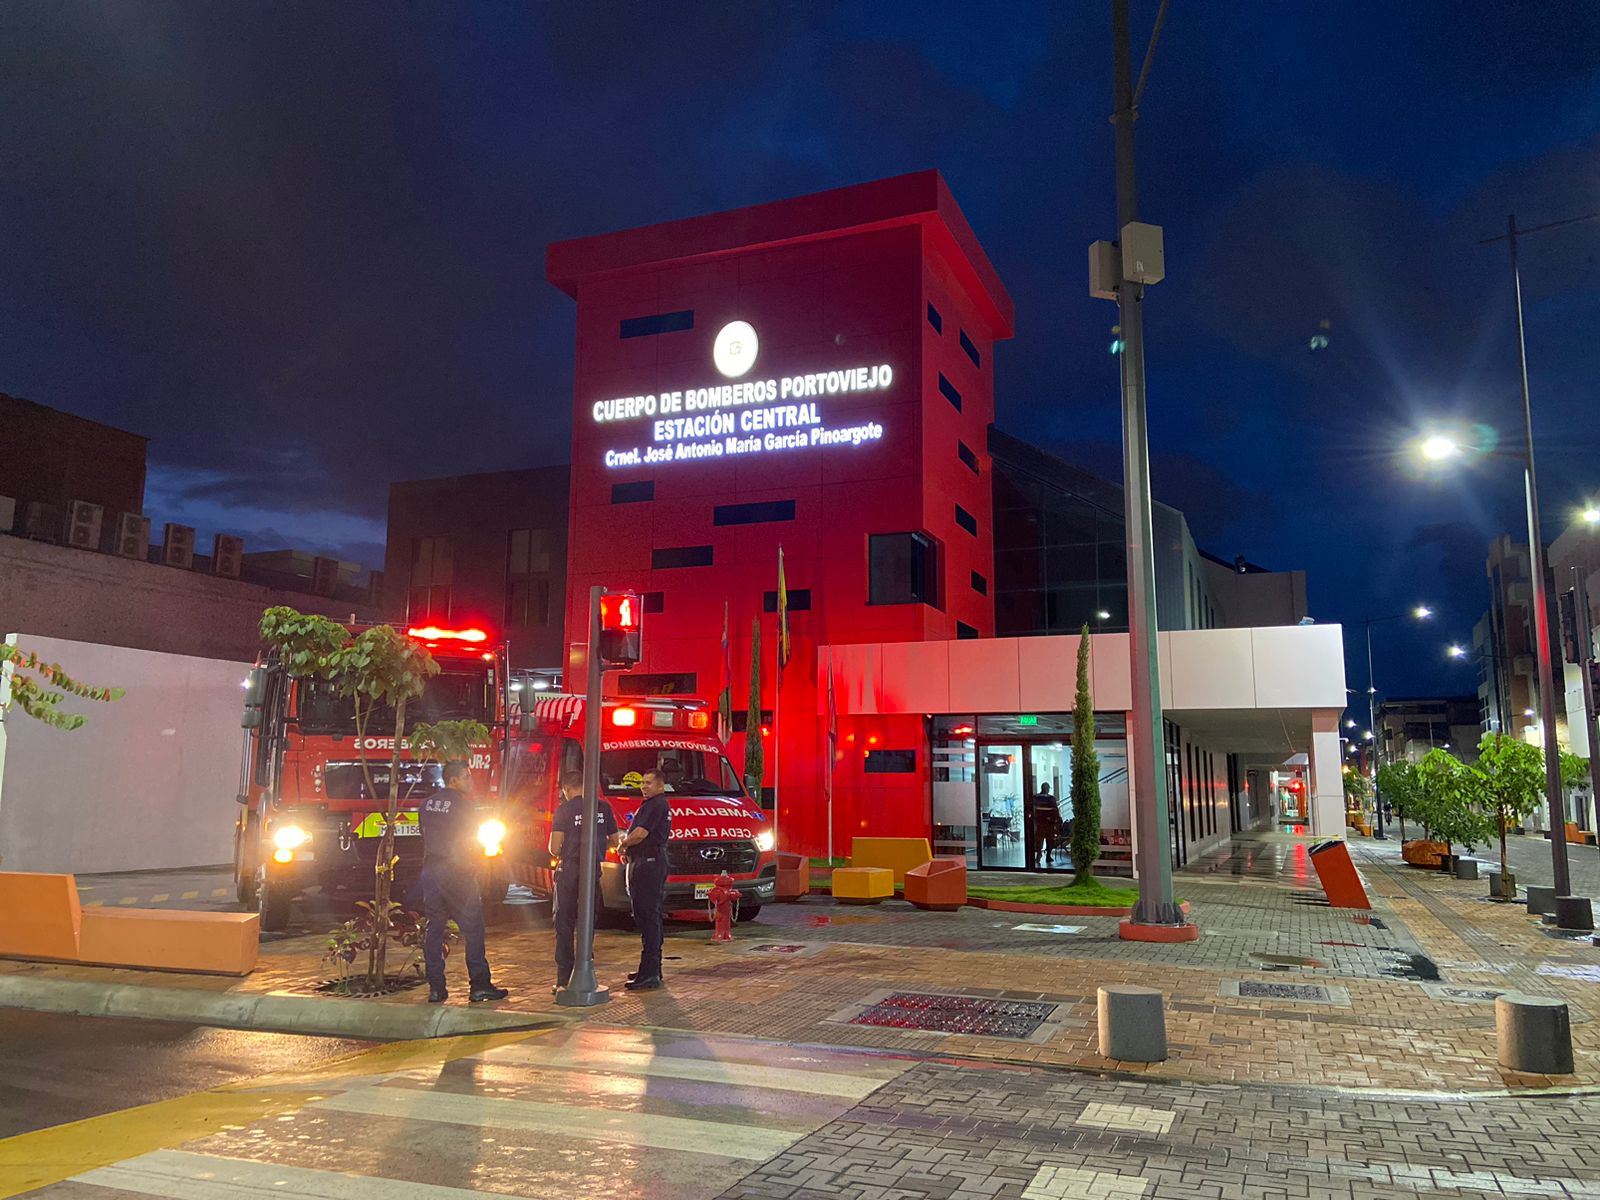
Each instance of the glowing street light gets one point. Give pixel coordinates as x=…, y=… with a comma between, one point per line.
x=1349, y=722
x=1422, y=612
x=1437, y=447
x=1591, y=515
x=1368, y=735
x=1457, y=652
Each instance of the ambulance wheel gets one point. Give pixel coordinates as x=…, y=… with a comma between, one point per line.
x=272, y=902
x=749, y=912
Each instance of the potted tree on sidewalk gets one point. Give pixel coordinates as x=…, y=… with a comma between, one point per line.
x=1511, y=784
x=1085, y=774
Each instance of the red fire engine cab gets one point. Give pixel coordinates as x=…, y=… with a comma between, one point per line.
x=311, y=816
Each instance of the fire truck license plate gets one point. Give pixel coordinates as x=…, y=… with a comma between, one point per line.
x=372, y=826
x=703, y=890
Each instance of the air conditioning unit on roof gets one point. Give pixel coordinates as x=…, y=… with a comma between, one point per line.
x=177, y=548
x=227, y=555
x=83, y=525
x=133, y=536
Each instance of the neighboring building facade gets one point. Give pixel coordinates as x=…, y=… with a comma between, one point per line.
x=1409, y=727
x=54, y=458
x=62, y=577
x=487, y=550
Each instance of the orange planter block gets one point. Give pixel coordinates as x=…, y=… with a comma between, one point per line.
x=1420, y=853
x=862, y=885
x=794, y=876
x=1338, y=875
x=897, y=854
x=224, y=943
x=39, y=916
x=940, y=885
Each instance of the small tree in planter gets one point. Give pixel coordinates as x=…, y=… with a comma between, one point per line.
x=378, y=666
x=1355, y=791
x=1085, y=774
x=1575, y=778
x=1511, y=775
x=1450, y=799
x=1398, y=781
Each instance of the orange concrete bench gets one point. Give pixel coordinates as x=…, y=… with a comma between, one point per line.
x=224, y=943
x=862, y=885
x=39, y=916
x=940, y=885
x=794, y=876
x=899, y=855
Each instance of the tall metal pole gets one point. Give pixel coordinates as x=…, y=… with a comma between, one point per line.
x=1541, y=611
x=1372, y=724
x=583, y=990
x=1585, y=632
x=1146, y=732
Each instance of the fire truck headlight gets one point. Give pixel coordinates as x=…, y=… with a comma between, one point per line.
x=765, y=841
x=289, y=837
x=283, y=856
x=492, y=834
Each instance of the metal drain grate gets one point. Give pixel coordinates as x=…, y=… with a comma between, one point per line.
x=975, y=1015
x=1255, y=989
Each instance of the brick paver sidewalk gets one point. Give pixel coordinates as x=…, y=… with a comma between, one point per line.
x=1280, y=989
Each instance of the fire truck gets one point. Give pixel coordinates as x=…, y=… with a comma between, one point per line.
x=310, y=815
x=716, y=827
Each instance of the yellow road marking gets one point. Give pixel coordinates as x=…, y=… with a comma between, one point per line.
x=159, y=897
x=189, y=896
x=46, y=1156
x=219, y=891
x=95, y=904
x=129, y=900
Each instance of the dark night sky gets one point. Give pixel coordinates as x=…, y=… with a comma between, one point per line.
x=301, y=245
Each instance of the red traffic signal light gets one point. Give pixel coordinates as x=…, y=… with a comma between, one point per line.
x=621, y=624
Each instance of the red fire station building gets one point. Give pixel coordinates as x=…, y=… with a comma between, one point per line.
x=814, y=374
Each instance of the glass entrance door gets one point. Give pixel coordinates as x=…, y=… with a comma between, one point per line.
x=1002, y=792
x=1049, y=772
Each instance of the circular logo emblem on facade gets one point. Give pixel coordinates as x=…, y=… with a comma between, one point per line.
x=734, y=351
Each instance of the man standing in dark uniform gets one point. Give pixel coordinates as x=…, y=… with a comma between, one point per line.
x=566, y=844
x=450, y=864
x=646, y=847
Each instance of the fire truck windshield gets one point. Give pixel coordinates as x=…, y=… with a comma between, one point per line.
x=688, y=772
x=450, y=696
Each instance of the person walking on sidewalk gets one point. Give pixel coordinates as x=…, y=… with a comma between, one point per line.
x=566, y=846
x=450, y=864
x=646, y=847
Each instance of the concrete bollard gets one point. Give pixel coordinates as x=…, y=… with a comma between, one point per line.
x=1133, y=1025
x=1494, y=884
x=1541, y=899
x=1533, y=1034
x=1466, y=868
x=1573, y=912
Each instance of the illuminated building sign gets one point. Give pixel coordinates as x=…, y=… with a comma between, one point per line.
x=754, y=417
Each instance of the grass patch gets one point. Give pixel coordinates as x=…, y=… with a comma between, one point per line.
x=830, y=862
x=1094, y=894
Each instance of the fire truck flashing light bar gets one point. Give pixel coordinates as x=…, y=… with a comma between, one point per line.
x=432, y=633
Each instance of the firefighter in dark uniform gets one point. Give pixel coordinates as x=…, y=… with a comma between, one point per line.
x=646, y=847
x=451, y=860
x=566, y=845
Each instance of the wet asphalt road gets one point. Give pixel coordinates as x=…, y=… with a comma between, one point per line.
x=55, y=1069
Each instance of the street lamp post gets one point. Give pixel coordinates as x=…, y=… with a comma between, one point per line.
x=1541, y=611
x=1146, y=731
x=1421, y=613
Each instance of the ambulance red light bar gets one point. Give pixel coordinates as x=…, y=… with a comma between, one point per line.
x=624, y=716
x=432, y=633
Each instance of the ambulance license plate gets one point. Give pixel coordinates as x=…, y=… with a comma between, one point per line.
x=703, y=890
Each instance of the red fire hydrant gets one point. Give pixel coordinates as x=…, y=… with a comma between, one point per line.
x=724, y=903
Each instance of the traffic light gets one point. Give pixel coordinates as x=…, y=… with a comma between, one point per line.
x=620, y=628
